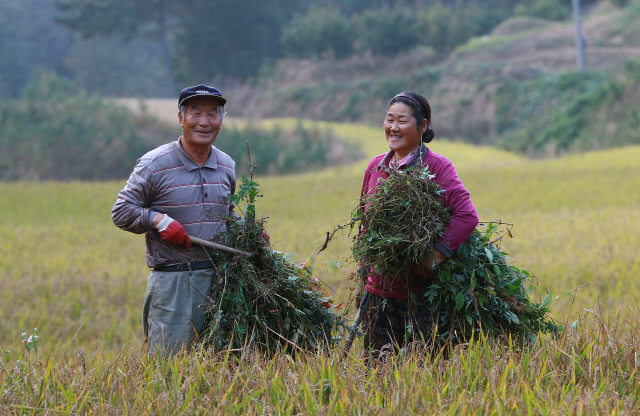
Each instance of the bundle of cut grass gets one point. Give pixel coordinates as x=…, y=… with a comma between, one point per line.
x=402, y=220
x=269, y=304
x=476, y=290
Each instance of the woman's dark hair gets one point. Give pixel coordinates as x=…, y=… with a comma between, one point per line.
x=420, y=110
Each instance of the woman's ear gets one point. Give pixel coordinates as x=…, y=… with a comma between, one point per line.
x=425, y=126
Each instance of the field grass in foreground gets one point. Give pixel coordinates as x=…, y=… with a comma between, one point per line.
x=65, y=269
x=592, y=369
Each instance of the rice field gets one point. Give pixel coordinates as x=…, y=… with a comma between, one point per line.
x=66, y=270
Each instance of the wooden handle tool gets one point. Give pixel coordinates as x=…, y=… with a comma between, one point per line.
x=220, y=247
x=352, y=332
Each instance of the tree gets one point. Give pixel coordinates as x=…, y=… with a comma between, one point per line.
x=30, y=42
x=202, y=40
x=319, y=31
x=227, y=39
x=444, y=28
x=127, y=18
x=545, y=9
x=388, y=31
x=56, y=132
x=111, y=67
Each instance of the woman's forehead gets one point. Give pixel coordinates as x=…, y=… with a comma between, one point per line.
x=400, y=109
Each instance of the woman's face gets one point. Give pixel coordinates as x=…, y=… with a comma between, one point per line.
x=402, y=133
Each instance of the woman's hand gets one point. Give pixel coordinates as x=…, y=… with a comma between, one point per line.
x=429, y=264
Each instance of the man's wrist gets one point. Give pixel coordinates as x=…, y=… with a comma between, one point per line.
x=156, y=219
x=163, y=222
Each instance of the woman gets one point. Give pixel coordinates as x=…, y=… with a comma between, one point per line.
x=392, y=310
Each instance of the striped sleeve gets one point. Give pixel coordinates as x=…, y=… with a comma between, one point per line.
x=131, y=210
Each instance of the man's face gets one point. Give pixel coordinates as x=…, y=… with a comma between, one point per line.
x=202, y=121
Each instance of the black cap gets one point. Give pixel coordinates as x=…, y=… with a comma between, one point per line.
x=202, y=91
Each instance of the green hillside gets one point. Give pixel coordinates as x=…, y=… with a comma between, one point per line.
x=516, y=86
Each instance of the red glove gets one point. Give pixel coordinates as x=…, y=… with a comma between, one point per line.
x=172, y=231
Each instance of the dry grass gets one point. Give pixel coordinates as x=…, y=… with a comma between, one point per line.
x=65, y=269
x=591, y=369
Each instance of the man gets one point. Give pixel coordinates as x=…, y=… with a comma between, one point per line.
x=179, y=189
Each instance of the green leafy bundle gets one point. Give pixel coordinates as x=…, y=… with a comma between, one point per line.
x=402, y=220
x=271, y=303
x=476, y=290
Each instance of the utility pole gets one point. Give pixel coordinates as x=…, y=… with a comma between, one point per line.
x=579, y=39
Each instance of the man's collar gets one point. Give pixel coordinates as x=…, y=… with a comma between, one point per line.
x=417, y=158
x=191, y=164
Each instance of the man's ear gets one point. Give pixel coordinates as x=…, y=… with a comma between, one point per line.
x=180, y=119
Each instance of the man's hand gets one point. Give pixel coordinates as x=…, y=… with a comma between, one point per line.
x=171, y=230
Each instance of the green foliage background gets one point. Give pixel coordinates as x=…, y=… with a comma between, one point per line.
x=363, y=54
x=56, y=133
x=320, y=31
x=116, y=47
x=279, y=150
x=516, y=87
x=569, y=112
